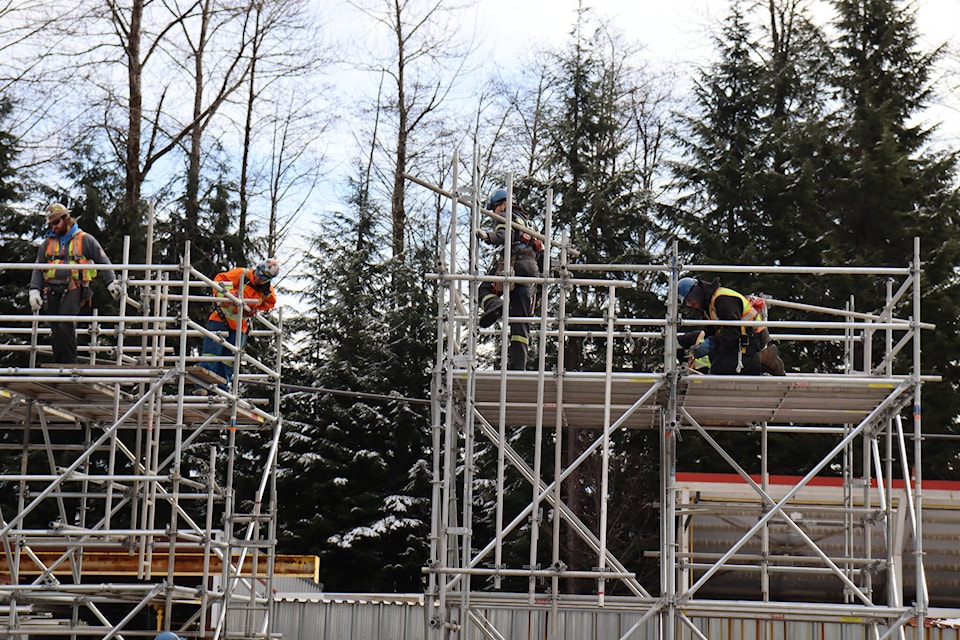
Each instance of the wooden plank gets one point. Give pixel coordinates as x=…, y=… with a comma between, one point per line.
x=123, y=563
x=199, y=374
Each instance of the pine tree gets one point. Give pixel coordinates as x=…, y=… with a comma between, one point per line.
x=354, y=482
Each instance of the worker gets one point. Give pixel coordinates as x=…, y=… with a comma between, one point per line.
x=688, y=341
x=63, y=291
x=526, y=256
x=731, y=349
x=258, y=295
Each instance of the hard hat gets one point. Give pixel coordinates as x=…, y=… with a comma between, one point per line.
x=266, y=270
x=167, y=635
x=55, y=211
x=498, y=195
x=684, y=287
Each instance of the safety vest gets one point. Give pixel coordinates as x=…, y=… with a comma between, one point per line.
x=749, y=313
x=227, y=311
x=70, y=253
x=703, y=362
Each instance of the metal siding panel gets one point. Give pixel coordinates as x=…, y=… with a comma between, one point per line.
x=373, y=620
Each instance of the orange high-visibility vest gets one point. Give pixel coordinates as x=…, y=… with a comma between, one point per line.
x=228, y=311
x=73, y=255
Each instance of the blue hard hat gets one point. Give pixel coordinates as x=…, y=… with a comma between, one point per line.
x=498, y=195
x=167, y=635
x=684, y=287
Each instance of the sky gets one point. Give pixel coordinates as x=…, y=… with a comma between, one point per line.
x=679, y=32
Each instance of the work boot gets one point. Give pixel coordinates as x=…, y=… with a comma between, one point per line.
x=491, y=313
x=770, y=361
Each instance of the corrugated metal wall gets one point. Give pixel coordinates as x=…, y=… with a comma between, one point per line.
x=370, y=619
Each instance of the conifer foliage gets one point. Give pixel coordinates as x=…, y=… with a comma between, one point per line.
x=353, y=482
x=15, y=230
x=816, y=155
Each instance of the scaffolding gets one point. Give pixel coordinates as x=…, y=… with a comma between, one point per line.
x=123, y=510
x=524, y=416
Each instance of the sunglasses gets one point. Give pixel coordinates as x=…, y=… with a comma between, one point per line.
x=57, y=221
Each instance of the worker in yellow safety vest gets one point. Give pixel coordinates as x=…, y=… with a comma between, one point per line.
x=732, y=349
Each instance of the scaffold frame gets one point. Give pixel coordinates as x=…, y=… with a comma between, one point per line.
x=127, y=517
x=477, y=401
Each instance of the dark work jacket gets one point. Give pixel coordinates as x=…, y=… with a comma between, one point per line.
x=523, y=251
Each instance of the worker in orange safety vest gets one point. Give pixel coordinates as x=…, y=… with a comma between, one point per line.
x=258, y=295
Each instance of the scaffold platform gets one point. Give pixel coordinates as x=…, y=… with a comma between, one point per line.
x=636, y=400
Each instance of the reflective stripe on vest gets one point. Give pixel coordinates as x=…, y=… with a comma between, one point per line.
x=74, y=255
x=228, y=312
x=749, y=313
x=703, y=362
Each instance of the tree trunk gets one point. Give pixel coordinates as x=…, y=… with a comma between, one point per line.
x=247, y=134
x=134, y=79
x=192, y=195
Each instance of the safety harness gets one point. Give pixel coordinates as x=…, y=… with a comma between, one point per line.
x=228, y=312
x=69, y=252
x=520, y=239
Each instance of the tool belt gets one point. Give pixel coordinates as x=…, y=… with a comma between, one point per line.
x=60, y=289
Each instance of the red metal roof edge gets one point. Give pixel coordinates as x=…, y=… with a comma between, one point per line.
x=817, y=481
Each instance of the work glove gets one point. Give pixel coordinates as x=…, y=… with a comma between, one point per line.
x=36, y=300
x=248, y=311
x=703, y=348
x=483, y=235
x=115, y=288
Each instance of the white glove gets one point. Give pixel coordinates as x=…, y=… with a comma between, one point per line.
x=36, y=300
x=483, y=235
x=115, y=288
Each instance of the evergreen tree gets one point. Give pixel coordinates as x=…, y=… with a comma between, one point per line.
x=602, y=184
x=354, y=481
x=747, y=187
x=717, y=207
x=808, y=156
x=888, y=187
x=17, y=232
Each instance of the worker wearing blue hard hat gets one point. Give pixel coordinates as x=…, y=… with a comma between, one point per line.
x=526, y=256
x=731, y=349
